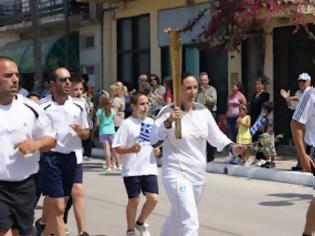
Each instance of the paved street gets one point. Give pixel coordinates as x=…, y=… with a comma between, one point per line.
x=230, y=206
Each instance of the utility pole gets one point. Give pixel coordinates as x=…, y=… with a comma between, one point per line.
x=66, y=28
x=37, y=54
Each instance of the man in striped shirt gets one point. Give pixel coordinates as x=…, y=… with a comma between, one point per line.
x=303, y=126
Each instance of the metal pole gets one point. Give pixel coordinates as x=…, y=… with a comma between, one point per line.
x=37, y=54
x=66, y=28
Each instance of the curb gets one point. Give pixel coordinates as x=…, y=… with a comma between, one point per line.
x=290, y=177
x=282, y=176
x=98, y=153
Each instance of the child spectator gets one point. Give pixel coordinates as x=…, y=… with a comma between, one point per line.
x=266, y=140
x=105, y=121
x=243, y=123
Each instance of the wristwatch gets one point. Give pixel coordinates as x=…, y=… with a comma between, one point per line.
x=167, y=124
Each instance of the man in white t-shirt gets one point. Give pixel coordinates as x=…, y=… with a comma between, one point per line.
x=58, y=167
x=24, y=131
x=139, y=168
x=184, y=160
x=303, y=121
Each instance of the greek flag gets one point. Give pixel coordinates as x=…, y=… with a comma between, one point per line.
x=258, y=123
x=145, y=131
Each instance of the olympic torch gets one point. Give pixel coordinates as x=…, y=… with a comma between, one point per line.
x=175, y=45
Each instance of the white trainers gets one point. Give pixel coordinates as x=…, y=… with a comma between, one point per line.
x=260, y=162
x=143, y=229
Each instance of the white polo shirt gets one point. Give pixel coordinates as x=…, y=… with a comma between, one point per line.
x=305, y=114
x=62, y=116
x=21, y=120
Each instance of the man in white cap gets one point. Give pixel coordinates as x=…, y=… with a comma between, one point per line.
x=304, y=84
x=292, y=101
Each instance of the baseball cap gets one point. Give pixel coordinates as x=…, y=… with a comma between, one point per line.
x=304, y=76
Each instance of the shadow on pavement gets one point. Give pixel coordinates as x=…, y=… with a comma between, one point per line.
x=287, y=199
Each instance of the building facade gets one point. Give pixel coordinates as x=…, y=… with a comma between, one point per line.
x=82, y=32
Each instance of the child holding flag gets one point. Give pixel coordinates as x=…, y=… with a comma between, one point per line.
x=139, y=168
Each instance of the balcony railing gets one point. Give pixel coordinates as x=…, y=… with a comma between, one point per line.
x=18, y=11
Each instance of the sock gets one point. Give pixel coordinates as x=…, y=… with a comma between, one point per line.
x=138, y=223
x=306, y=235
x=130, y=230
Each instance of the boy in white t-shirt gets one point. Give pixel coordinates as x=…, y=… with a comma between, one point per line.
x=139, y=168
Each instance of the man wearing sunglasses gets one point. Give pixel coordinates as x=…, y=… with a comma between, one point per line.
x=69, y=119
x=25, y=130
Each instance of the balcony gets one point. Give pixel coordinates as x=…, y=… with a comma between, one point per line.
x=19, y=11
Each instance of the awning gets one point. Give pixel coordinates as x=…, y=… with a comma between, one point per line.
x=53, y=53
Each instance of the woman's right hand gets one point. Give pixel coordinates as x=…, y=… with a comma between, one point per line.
x=175, y=115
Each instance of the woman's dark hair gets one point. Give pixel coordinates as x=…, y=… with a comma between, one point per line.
x=237, y=84
x=155, y=77
x=261, y=80
x=185, y=75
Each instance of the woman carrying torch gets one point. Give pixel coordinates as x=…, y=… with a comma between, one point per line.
x=184, y=159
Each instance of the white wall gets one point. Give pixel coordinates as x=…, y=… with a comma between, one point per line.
x=92, y=57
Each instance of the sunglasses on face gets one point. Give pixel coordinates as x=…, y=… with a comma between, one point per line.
x=10, y=74
x=64, y=79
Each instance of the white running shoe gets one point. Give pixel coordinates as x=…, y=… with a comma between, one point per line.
x=143, y=229
x=260, y=162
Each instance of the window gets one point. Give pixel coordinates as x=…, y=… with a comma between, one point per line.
x=90, y=69
x=133, y=48
x=87, y=42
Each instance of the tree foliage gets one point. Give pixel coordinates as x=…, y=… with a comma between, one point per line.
x=232, y=21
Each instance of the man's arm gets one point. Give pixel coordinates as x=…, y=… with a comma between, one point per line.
x=83, y=133
x=297, y=134
x=43, y=144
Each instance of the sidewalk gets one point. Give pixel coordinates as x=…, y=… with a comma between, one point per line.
x=281, y=173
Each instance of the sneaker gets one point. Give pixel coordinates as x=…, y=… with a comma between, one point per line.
x=237, y=160
x=131, y=233
x=269, y=164
x=83, y=234
x=40, y=227
x=143, y=229
x=297, y=168
x=260, y=162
